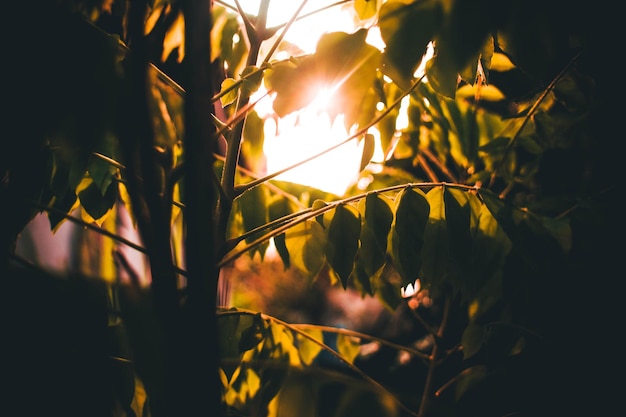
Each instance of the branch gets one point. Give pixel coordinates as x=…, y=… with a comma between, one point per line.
x=310, y=213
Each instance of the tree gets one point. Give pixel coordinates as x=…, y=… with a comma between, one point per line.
x=499, y=196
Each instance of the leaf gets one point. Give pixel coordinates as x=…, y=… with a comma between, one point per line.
x=407, y=237
x=226, y=27
x=308, y=348
x=469, y=380
x=472, y=340
x=442, y=78
x=485, y=92
x=366, y=9
x=458, y=226
x=398, y=21
x=436, y=247
x=279, y=208
x=361, y=279
x=463, y=35
x=253, y=141
x=348, y=347
x=500, y=62
x=252, y=78
x=96, y=203
x=139, y=398
x=375, y=229
x=254, y=211
x=285, y=344
x=306, y=243
x=253, y=335
x=343, y=64
x=368, y=150
x=175, y=39
x=231, y=91
x=343, y=241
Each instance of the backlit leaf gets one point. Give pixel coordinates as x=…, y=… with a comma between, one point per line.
x=308, y=348
x=436, y=249
x=253, y=140
x=253, y=335
x=377, y=221
x=306, y=243
x=368, y=150
x=366, y=9
x=343, y=64
x=252, y=79
x=278, y=208
x=254, y=212
x=228, y=86
x=458, y=227
x=348, y=347
x=418, y=21
x=407, y=238
x=343, y=241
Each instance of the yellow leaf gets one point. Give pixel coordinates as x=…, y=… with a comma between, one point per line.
x=139, y=399
x=228, y=86
x=308, y=348
x=175, y=39
x=500, y=62
x=484, y=92
x=366, y=9
x=348, y=347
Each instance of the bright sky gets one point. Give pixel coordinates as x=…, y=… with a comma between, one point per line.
x=299, y=136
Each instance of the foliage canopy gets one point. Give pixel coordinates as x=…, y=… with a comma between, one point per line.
x=499, y=195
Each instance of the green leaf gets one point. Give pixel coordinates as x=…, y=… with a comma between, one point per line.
x=343, y=241
x=102, y=173
x=322, y=219
x=252, y=78
x=496, y=146
x=361, y=279
x=231, y=328
x=233, y=54
x=457, y=214
x=231, y=91
x=253, y=141
x=418, y=21
x=472, y=340
x=279, y=208
x=254, y=334
x=387, y=286
x=407, y=236
x=254, y=211
x=463, y=35
x=442, y=78
x=306, y=243
x=436, y=247
x=377, y=220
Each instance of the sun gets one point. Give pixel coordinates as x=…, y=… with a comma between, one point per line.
x=299, y=136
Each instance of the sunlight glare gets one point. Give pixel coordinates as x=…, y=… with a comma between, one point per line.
x=298, y=137
x=301, y=135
